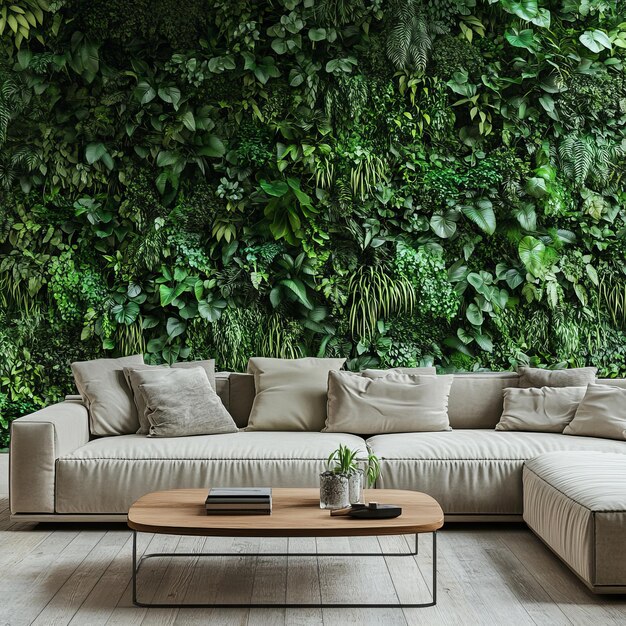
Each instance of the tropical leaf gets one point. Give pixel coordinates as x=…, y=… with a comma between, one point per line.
x=444, y=224
x=125, y=313
x=175, y=327
x=482, y=214
x=595, y=40
x=532, y=254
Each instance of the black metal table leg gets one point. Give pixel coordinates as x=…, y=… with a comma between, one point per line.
x=264, y=605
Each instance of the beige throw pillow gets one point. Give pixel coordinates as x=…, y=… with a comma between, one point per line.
x=183, y=403
x=602, y=413
x=396, y=403
x=540, y=409
x=372, y=373
x=290, y=393
x=108, y=396
x=134, y=380
x=575, y=377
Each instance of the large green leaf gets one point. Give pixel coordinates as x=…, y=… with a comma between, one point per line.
x=297, y=287
x=595, y=40
x=214, y=147
x=175, y=327
x=521, y=38
x=532, y=253
x=94, y=152
x=170, y=94
x=524, y=9
x=144, y=92
x=474, y=315
x=275, y=188
x=125, y=313
x=211, y=308
x=444, y=224
x=317, y=34
x=526, y=216
x=169, y=294
x=482, y=214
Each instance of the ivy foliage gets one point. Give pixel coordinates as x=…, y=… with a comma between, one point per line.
x=397, y=182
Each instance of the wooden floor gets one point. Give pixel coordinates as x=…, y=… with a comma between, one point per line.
x=488, y=574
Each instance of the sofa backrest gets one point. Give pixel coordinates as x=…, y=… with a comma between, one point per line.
x=475, y=397
x=237, y=394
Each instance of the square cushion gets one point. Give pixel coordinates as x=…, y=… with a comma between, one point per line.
x=575, y=377
x=134, y=379
x=602, y=413
x=183, y=403
x=391, y=404
x=109, y=398
x=290, y=393
x=540, y=409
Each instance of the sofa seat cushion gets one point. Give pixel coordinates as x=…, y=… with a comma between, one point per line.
x=107, y=475
x=576, y=503
x=471, y=471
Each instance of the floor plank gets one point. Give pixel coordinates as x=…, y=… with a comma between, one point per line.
x=575, y=601
x=69, y=598
x=36, y=580
x=80, y=575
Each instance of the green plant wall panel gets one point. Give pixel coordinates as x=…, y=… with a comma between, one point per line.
x=394, y=181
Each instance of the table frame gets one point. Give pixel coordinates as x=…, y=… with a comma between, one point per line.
x=289, y=605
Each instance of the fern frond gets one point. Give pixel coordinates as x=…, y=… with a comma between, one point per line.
x=399, y=38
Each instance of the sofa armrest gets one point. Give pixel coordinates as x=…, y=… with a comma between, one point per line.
x=37, y=441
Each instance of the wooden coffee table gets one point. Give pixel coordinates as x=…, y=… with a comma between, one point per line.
x=295, y=513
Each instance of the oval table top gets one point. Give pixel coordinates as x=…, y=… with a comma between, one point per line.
x=295, y=513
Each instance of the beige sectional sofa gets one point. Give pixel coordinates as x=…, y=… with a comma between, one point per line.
x=571, y=490
x=59, y=473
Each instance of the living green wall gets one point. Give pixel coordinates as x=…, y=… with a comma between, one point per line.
x=397, y=182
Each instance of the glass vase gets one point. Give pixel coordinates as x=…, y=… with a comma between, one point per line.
x=334, y=491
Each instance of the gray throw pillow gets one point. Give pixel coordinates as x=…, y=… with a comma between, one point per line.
x=396, y=403
x=183, y=403
x=540, y=409
x=134, y=380
x=575, y=377
x=602, y=413
x=290, y=393
x=108, y=396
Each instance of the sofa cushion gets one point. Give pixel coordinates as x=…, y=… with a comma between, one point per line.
x=540, y=409
x=471, y=471
x=107, y=475
x=576, y=503
x=573, y=377
x=290, y=393
x=476, y=398
x=108, y=396
x=135, y=376
x=396, y=403
x=601, y=413
x=183, y=404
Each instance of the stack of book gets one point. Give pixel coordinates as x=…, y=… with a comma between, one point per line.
x=239, y=501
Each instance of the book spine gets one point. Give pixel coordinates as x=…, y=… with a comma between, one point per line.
x=239, y=500
x=239, y=512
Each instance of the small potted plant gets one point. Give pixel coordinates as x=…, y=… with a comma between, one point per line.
x=343, y=482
